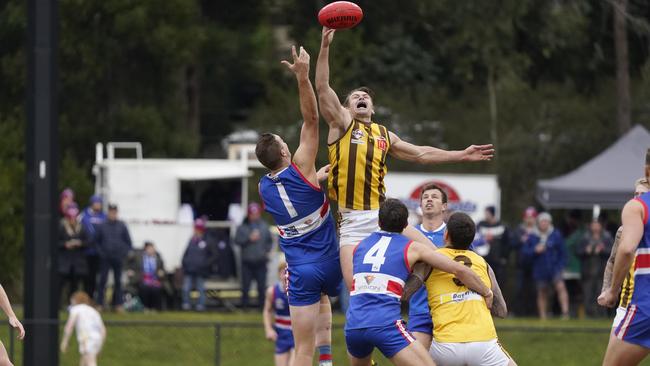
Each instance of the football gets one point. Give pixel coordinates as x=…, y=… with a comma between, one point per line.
x=340, y=15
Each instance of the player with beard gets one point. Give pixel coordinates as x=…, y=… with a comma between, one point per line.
x=357, y=149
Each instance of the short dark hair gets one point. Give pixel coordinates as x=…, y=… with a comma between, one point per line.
x=461, y=230
x=364, y=89
x=112, y=207
x=430, y=186
x=393, y=216
x=148, y=244
x=268, y=151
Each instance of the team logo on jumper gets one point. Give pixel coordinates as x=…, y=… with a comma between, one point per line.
x=369, y=279
x=381, y=143
x=357, y=136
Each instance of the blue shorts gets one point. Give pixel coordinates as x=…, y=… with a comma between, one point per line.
x=308, y=281
x=284, y=343
x=389, y=340
x=420, y=323
x=635, y=327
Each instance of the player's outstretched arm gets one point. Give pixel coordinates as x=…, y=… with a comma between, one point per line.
x=271, y=335
x=431, y=155
x=13, y=320
x=632, y=219
x=607, y=276
x=330, y=106
x=499, y=307
x=305, y=156
x=419, y=251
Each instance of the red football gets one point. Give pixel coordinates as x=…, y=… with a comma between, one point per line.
x=340, y=15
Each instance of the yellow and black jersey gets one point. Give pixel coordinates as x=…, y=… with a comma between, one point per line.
x=628, y=287
x=459, y=314
x=358, y=166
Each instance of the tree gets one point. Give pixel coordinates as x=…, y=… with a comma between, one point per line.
x=622, y=67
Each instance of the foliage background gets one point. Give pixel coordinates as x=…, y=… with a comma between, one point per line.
x=180, y=75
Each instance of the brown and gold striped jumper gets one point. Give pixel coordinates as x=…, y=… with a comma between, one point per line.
x=358, y=166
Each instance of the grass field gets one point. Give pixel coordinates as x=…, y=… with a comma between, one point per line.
x=189, y=339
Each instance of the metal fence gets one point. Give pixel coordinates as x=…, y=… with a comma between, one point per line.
x=158, y=342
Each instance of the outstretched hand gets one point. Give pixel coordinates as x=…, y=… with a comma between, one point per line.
x=300, y=65
x=479, y=152
x=327, y=37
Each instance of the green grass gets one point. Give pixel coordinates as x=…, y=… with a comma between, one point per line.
x=194, y=344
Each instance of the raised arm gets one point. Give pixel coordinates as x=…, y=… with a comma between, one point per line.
x=419, y=251
x=431, y=155
x=499, y=308
x=607, y=276
x=305, y=156
x=633, y=220
x=334, y=113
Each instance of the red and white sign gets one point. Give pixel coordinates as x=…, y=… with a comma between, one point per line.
x=469, y=193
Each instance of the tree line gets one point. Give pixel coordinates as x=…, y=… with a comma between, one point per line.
x=533, y=77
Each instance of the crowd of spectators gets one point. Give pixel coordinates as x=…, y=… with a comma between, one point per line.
x=545, y=267
x=95, y=242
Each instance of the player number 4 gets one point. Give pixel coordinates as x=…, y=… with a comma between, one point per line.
x=377, y=254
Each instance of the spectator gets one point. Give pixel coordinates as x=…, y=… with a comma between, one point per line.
x=254, y=237
x=593, y=252
x=525, y=305
x=574, y=232
x=65, y=199
x=72, y=262
x=147, y=272
x=197, y=260
x=495, y=246
x=113, y=245
x=91, y=218
x=545, y=249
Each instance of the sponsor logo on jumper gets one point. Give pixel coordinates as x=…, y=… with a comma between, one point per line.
x=369, y=279
x=357, y=136
x=381, y=143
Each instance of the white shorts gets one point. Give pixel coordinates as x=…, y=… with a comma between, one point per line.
x=620, y=314
x=488, y=353
x=357, y=225
x=90, y=344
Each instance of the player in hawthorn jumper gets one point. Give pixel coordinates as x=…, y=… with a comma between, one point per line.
x=357, y=148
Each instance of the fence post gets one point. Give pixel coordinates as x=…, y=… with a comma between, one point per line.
x=11, y=343
x=217, y=344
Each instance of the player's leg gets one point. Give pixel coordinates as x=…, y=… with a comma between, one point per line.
x=304, y=320
x=365, y=361
x=4, y=357
x=621, y=353
x=324, y=332
x=413, y=355
x=346, y=253
x=423, y=338
x=282, y=359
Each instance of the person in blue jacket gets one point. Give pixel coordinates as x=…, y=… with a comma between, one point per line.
x=545, y=248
